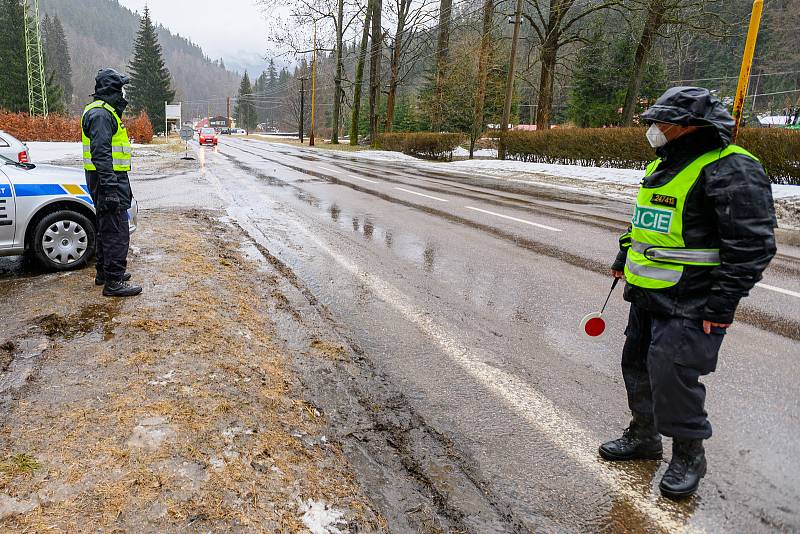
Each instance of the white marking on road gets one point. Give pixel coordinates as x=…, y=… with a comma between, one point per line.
x=326, y=168
x=421, y=194
x=779, y=290
x=563, y=432
x=543, y=226
x=362, y=179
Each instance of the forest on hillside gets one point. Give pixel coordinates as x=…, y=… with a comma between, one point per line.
x=578, y=62
x=101, y=33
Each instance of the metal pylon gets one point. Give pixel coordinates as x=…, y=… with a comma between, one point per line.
x=37, y=83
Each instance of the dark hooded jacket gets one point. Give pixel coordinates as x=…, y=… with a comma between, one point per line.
x=729, y=207
x=108, y=187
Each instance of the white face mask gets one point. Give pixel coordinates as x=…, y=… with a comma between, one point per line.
x=655, y=136
x=125, y=92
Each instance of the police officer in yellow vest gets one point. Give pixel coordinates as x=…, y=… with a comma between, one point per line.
x=106, y=161
x=701, y=234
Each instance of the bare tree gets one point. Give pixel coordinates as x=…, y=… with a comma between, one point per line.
x=483, y=74
x=376, y=50
x=677, y=15
x=556, y=23
x=442, y=47
x=359, y=75
x=411, y=16
x=337, y=15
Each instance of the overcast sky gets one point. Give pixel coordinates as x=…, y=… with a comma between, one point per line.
x=231, y=29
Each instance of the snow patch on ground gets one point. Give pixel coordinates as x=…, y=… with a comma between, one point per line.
x=461, y=152
x=785, y=191
x=518, y=169
x=595, y=174
x=320, y=519
x=48, y=152
x=51, y=151
x=383, y=155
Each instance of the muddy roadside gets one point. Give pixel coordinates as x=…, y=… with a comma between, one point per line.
x=176, y=409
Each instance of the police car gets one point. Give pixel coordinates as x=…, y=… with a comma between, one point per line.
x=46, y=210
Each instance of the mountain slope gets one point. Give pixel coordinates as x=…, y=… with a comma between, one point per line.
x=100, y=33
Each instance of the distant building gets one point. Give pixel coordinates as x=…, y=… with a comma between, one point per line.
x=219, y=122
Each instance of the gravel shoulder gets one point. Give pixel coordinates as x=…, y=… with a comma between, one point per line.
x=174, y=410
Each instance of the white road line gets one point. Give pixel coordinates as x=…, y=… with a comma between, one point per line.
x=543, y=226
x=362, y=179
x=326, y=168
x=421, y=194
x=779, y=290
x=557, y=426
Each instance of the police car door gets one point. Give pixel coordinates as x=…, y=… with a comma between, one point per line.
x=7, y=211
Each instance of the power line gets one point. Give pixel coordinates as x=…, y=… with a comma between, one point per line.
x=752, y=74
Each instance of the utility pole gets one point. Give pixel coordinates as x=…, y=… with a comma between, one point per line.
x=747, y=63
x=228, y=116
x=37, y=82
x=302, y=105
x=501, y=146
x=313, y=85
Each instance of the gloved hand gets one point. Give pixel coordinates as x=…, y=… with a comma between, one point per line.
x=109, y=203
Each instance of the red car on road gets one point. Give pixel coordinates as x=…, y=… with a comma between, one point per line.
x=208, y=137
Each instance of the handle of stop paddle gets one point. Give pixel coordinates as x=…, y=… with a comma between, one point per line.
x=613, y=285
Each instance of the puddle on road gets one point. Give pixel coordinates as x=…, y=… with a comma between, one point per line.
x=412, y=249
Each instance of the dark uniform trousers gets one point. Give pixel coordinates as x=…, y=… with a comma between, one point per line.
x=113, y=240
x=662, y=362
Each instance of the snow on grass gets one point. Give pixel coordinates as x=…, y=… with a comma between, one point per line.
x=511, y=169
x=320, y=519
x=461, y=152
x=384, y=155
x=785, y=191
x=594, y=174
x=47, y=152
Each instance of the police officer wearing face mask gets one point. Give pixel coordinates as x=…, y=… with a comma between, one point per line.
x=700, y=237
x=106, y=161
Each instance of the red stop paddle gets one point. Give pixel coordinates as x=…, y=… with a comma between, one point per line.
x=594, y=325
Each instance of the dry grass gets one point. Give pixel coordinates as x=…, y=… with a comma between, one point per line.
x=198, y=363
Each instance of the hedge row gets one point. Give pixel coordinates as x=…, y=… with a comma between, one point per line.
x=426, y=145
x=53, y=128
x=65, y=128
x=777, y=148
x=140, y=129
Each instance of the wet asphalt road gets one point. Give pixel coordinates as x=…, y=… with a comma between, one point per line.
x=467, y=293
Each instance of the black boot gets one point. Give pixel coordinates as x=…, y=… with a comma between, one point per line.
x=121, y=289
x=687, y=467
x=640, y=441
x=100, y=278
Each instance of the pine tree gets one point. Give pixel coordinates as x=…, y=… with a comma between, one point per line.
x=272, y=75
x=13, y=69
x=150, y=80
x=245, y=110
x=56, y=56
x=260, y=90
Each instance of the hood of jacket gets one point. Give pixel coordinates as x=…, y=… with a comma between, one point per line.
x=691, y=106
x=108, y=88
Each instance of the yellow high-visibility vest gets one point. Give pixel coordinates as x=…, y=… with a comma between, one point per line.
x=120, y=144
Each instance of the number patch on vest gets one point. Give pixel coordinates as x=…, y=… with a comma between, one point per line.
x=652, y=219
x=663, y=200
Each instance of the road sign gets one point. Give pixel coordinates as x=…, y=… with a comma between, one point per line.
x=187, y=133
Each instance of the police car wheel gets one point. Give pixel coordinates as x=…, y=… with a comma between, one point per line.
x=64, y=240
